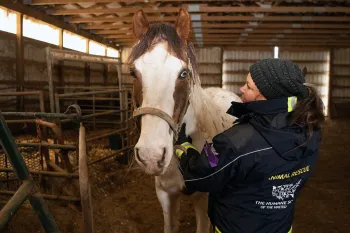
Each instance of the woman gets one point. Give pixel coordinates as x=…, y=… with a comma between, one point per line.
x=255, y=170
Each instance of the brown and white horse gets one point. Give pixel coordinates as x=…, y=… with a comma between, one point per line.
x=167, y=93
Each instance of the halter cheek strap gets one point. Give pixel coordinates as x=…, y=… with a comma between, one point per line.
x=157, y=112
x=165, y=116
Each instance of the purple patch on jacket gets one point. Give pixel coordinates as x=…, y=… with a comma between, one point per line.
x=211, y=154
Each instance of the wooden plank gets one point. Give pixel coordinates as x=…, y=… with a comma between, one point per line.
x=218, y=18
x=283, y=32
x=206, y=9
x=19, y=60
x=235, y=25
x=60, y=63
x=87, y=74
x=62, y=2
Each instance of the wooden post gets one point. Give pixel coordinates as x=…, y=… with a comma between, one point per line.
x=87, y=66
x=19, y=60
x=60, y=62
x=105, y=70
x=330, y=84
x=85, y=191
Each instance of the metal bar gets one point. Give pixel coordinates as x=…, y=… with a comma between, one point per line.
x=42, y=210
x=106, y=134
x=119, y=71
x=9, y=146
x=91, y=92
x=19, y=93
x=109, y=156
x=50, y=79
x=85, y=87
x=21, y=171
x=46, y=173
x=87, y=98
x=101, y=114
x=41, y=114
x=47, y=145
x=42, y=101
x=20, y=121
x=15, y=203
x=57, y=100
x=85, y=191
x=46, y=196
x=54, y=166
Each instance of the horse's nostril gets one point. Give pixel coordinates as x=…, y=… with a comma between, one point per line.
x=161, y=162
x=138, y=156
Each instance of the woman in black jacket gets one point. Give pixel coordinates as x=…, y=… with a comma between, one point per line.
x=254, y=170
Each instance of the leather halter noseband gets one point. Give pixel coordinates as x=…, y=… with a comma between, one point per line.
x=165, y=116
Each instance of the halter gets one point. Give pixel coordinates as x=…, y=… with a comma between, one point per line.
x=175, y=126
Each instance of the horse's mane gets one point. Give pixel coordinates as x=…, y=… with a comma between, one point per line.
x=164, y=32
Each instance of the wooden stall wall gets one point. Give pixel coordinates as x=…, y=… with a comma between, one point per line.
x=7, y=69
x=236, y=63
x=210, y=66
x=340, y=83
x=317, y=64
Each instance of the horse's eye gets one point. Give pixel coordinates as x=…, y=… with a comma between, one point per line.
x=132, y=73
x=183, y=74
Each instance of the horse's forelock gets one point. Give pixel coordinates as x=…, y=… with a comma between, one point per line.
x=165, y=32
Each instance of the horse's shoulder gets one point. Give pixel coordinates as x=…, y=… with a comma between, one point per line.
x=222, y=96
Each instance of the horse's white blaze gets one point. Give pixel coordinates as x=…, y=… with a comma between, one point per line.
x=159, y=71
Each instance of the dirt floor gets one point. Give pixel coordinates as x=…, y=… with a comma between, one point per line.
x=124, y=199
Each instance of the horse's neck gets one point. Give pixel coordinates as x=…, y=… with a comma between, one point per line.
x=206, y=115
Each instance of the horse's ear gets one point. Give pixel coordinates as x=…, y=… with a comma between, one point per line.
x=183, y=24
x=304, y=71
x=140, y=24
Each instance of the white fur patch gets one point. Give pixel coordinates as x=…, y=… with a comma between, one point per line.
x=159, y=71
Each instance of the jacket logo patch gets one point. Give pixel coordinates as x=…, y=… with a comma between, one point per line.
x=284, y=191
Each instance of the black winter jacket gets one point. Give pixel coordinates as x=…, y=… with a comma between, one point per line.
x=254, y=170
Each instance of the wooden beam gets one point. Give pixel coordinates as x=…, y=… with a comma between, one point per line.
x=234, y=25
x=218, y=18
x=330, y=84
x=87, y=72
x=15, y=6
x=62, y=2
x=60, y=63
x=208, y=9
x=232, y=34
x=19, y=60
x=239, y=31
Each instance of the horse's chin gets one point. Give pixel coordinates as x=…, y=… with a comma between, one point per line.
x=154, y=172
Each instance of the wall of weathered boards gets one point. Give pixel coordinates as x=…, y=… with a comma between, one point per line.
x=340, y=82
x=67, y=73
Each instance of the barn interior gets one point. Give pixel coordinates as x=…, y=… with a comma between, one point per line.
x=64, y=74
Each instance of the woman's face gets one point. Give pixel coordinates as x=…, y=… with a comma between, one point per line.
x=250, y=92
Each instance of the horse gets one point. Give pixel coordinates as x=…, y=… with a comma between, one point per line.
x=167, y=93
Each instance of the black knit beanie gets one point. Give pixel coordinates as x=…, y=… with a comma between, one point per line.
x=277, y=78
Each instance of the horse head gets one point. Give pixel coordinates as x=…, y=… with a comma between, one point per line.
x=163, y=66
